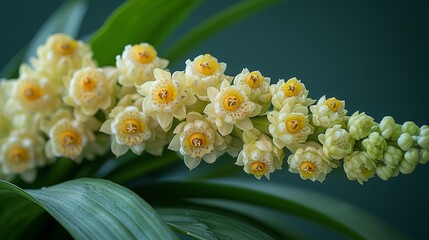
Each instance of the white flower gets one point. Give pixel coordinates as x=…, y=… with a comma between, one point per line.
x=310, y=163
x=21, y=152
x=136, y=64
x=328, y=112
x=90, y=90
x=166, y=97
x=291, y=93
x=358, y=166
x=60, y=55
x=230, y=106
x=66, y=139
x=196, y=139
x=204, y=72
x=32, y=94
x=259, y=155
x=337, y=142
x=289, y=126
x=259, y=87
x=128, y=128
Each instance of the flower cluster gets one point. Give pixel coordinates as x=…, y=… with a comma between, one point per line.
x=63, y=105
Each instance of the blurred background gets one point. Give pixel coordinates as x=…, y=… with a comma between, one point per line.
x=373, y=54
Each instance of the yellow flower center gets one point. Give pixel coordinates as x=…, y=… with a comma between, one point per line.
x=333, y=104
x=65, y=46
x=294, y=123
x=165, y=94
x=232, y=101
x=253, y=79
x=70, y=137
x=258, y=168
x=366, y=173
x=132, y=126
x=198, y=139
x=144, y=53
x=292, y=87
x=307, y=169
x=207, y=64
x=18, y=155
x=88, y=83
x=31, y=92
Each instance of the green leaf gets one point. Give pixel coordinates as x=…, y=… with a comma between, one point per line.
x=66, y=19
x=332, y=213
x=88, y=209
x=213, y=25
x=135, y=22
x=210, y=225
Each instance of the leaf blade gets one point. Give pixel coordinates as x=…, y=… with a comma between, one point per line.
x=96, y=209
x=332, y=213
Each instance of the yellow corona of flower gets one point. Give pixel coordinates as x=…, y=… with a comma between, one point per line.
x=32, y=94
x=259, y=156
x=21, y=152
x=289, y=126
x=90, y=90
x=203, y=72
x=128, y=129
x=196, y=139
x=291, y=92
x=166, y=97
x=329, y=112
x=136, y=64
x=310, y=163
x=259, y=87
x=60, y=55
x=230, y=107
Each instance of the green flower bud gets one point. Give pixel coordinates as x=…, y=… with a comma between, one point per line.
x=411, y=157
x=423, y=139
x=359, y=167
x=405, y=141
x=396, y=133
x=359, y=125
x=385, y=172
x=387, y=126
x=424, y=156
x=393, y=156
x=337, y=142
x=410, y=127
x=375, y=146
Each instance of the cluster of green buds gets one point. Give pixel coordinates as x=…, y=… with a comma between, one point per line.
x=63, y=105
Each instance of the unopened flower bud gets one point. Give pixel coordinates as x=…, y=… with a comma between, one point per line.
x=375, y=145
x=410, y=127
x=423, y=139
x=424, y=156
x=387, y=126
x=405, y=141
x=359, y=125
x=384, y=172
x=393, y=156
x=411, y=157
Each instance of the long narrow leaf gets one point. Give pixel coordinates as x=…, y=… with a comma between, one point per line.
x=213, y=25
x=136, y=22
x=67, y=19
x=337, y=215
x=90, y=209
x=209, y=225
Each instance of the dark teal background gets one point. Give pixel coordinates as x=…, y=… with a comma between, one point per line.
x=373, y=54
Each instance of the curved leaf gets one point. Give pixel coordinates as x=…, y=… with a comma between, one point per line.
x=91, y=209
x=332, y=213
x=208, y=225
x=66, y=19
x=136, y=22
x=214, y=24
